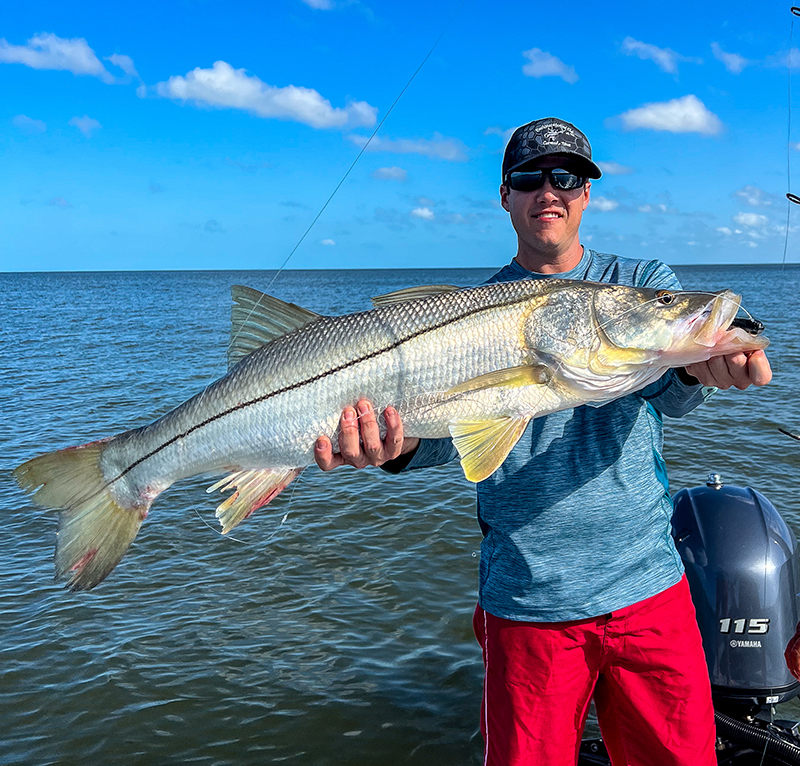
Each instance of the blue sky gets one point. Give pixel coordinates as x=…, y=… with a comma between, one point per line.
x=208, y=135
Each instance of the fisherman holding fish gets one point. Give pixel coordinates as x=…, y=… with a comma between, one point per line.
x=581, y=590
x=582, y=593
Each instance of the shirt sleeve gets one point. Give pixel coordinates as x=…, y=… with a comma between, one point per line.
x=670, y=395
x=430, y=452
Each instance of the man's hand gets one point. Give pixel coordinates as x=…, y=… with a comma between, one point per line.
x=741, y=370
x=360, y=442
x=792, y=654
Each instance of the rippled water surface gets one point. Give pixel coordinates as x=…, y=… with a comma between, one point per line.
x=335, y=627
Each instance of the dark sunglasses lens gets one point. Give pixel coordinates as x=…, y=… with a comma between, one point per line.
x=526, y=181
x=534, y=179
x=563, y=179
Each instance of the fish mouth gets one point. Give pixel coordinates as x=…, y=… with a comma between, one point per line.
x=720, y=329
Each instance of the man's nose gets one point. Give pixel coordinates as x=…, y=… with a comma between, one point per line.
x=547, y=192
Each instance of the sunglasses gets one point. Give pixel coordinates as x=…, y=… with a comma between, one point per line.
x=530, y=180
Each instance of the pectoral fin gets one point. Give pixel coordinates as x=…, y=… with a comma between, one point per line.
x=483, y=445
x=254, y=489
x=512, y=377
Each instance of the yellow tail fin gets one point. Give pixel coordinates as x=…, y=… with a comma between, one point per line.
x=94, y=530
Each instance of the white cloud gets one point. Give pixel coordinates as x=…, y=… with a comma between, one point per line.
x=439, y=146
x=681, y=115
x=28, y=125
x=789, y=59
x=423, y=212
x=495, y=130
x=543, y=64
x=603, y=204
x=614, y=168
x=48, y=51
x=327, y=242
x=86, y=125
x=393, y=173
x=724, y=230
x=754, y=196
x=733, y=62
x=320, y=5
x=750, y=219
x=664, y=58
x=125, y=63
x=223, y=86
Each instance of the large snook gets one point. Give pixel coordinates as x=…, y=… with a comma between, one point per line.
x=475, y=364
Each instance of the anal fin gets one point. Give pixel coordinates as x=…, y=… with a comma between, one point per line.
x=253, y=490
x=483, y=445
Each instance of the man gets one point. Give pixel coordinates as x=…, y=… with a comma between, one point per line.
x=581, y=590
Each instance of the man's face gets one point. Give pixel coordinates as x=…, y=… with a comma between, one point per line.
x=546, y=220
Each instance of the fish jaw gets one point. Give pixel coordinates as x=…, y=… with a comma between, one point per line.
x=708, y=333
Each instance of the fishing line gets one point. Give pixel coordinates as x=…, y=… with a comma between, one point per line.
x=343, y=178
x=791, y=198
x=295, y=485
x=368, y=142
x=227, y=537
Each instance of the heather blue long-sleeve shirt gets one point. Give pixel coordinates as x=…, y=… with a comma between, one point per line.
x=576, y=521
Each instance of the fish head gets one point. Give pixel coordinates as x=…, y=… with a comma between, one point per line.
x=670, y=328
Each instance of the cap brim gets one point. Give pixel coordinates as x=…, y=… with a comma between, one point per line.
x=587, y=167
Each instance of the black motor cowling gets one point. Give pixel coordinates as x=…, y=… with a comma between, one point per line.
x=742, y=565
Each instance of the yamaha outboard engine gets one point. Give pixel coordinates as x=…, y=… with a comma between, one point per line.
x=743, y=569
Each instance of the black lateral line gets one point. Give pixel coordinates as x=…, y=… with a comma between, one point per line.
x=313, y=379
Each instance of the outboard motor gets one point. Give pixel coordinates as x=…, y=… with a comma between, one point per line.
x=743, y=568
x=742, y=564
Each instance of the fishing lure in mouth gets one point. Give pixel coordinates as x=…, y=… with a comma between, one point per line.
x=748, y=324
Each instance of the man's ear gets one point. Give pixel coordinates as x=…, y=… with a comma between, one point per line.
x=504, y=197
x=586, y=189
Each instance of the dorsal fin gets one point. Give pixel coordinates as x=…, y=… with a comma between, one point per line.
x=257, y=318
x=412, y=294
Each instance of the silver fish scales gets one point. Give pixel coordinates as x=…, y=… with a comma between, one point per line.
x=474, y=364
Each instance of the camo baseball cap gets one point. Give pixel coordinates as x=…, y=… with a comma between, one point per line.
x=548, y=136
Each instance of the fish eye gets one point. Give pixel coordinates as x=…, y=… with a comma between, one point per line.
x=665, y=297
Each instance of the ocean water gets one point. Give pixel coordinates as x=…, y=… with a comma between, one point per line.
x=333, y=627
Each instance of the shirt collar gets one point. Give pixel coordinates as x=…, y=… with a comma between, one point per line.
x=579, y=271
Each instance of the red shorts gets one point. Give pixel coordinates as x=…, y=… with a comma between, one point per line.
x=644, y=665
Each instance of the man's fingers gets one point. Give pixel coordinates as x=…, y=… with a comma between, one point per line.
x=393, y=442
x=324, y=455
x=759, y=368
x=360, y=442
x=720, y=372
x=738, y=370
x=350, y=439
x=370, y=433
